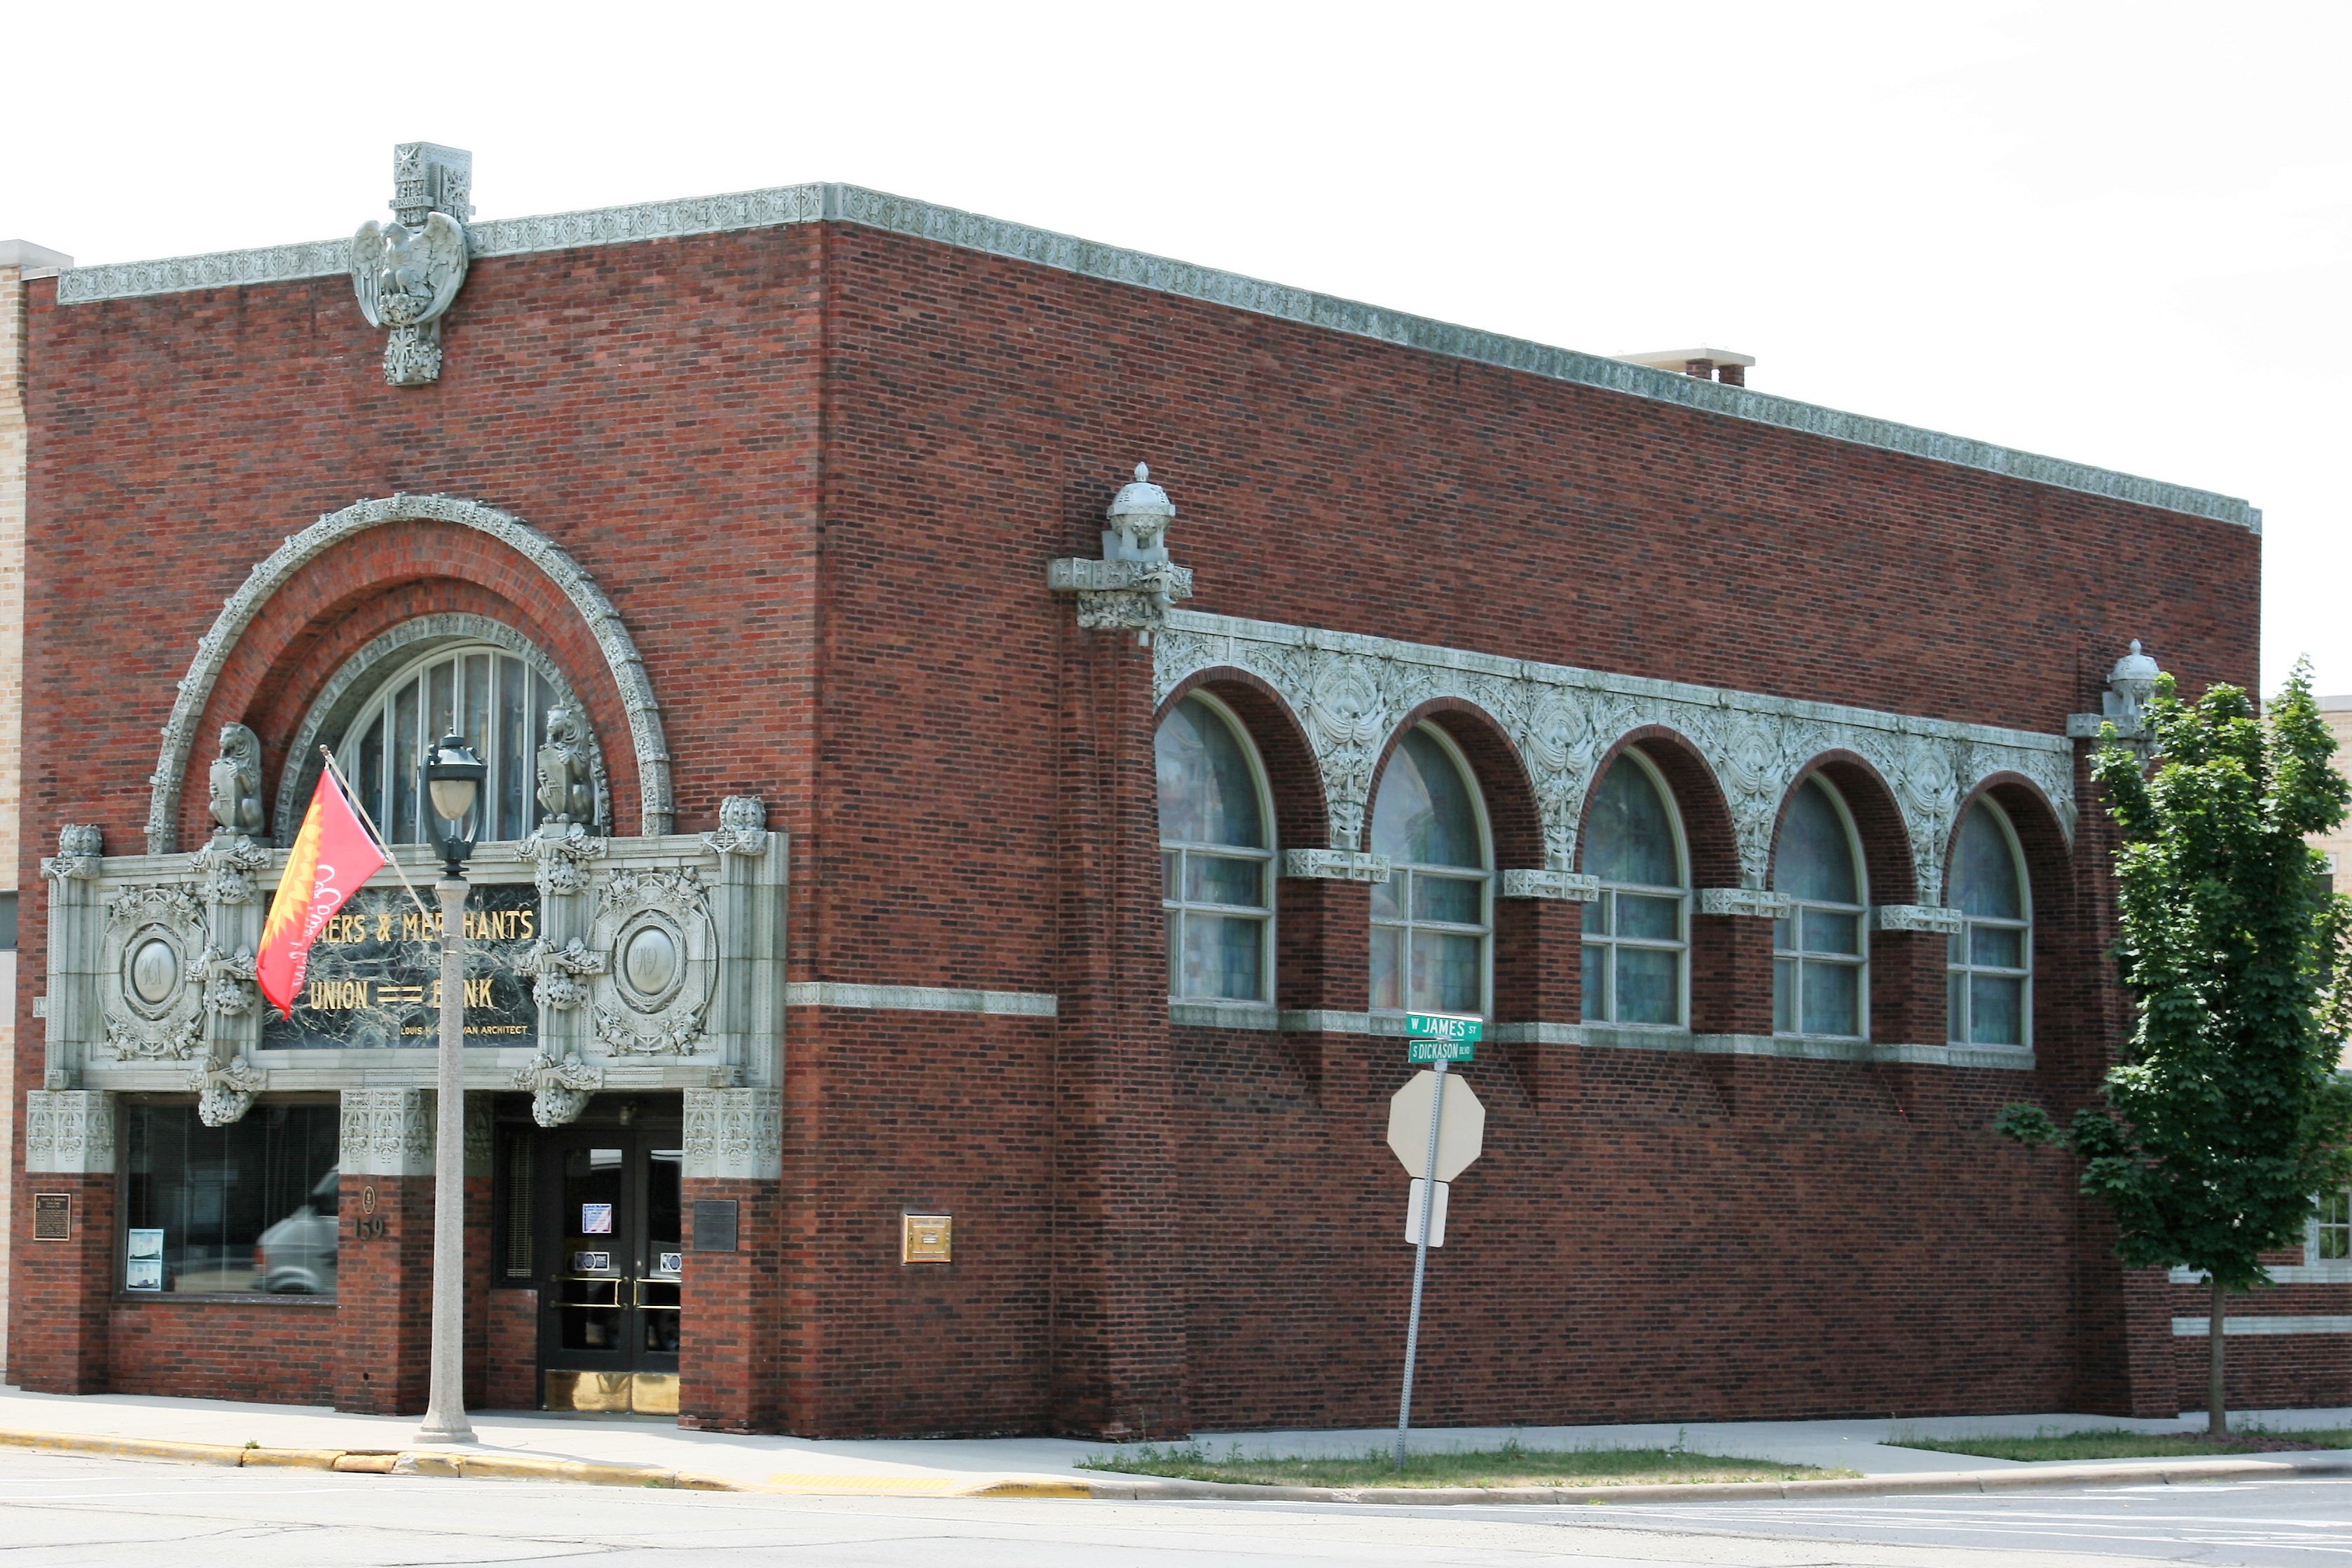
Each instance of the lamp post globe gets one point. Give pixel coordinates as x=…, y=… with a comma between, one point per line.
x=453, y=779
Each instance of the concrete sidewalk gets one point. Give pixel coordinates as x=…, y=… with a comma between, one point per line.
x=942, y=1467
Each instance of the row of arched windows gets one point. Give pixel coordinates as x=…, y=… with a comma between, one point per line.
x=1432, y=920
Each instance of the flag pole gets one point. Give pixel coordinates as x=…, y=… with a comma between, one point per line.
x=352, y=795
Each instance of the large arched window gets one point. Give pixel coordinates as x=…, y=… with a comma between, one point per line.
x=485, y=693
x=1991, y=955
x=1216, y=856
x=1431, y=918
x=1637, y=932
x=1819, y=979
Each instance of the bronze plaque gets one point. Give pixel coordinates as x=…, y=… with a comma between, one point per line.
x=52, y=1217
x=928, y=1238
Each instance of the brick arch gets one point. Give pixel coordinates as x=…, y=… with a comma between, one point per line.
x=1514, y=820
x=1886, y=864
x=1707, y=834
x=293, y=601
x=1301, y=813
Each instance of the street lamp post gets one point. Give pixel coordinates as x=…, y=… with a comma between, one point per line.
x=453, y=777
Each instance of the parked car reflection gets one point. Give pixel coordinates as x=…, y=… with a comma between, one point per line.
x=296, y=1256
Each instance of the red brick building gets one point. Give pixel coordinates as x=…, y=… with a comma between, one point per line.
x=841, y=694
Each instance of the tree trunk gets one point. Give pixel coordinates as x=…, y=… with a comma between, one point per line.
x=2217, y=1405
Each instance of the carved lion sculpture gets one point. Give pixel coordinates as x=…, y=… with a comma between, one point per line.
x=566, y=787
x=236, y=782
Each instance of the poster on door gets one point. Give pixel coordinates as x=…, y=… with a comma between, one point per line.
x=374, y=978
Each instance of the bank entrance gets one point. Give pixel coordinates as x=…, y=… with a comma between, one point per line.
x=607, y=1247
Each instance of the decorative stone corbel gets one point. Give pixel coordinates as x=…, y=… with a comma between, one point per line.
x=1753, y=903
x=734, y=1134
x=1130, y=588
x=229, y=863
x=554, y=972
x=1573, y=886
x=407, y=273
x=227, y=980
x=559, y=1090
x=225, y=1091
x=69, y=1133
x=1335, y=866
x=2131, y=687
x=561, y=848
x=1930, y=917
x=237, y=786
x=80, y=846
x=742, y=826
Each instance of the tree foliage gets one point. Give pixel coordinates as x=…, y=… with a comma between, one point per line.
x=2227, y=1112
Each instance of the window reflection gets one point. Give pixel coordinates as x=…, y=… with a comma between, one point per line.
x=250, y=1207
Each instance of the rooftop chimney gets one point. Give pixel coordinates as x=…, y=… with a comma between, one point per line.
x=1707, y=365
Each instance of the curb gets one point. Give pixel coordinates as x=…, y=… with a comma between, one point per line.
x=2179, y=1473
x=1112, y=1487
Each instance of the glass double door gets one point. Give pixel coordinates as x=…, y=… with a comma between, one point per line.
x=614, y=1252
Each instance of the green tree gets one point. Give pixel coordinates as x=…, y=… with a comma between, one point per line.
x=2226, y=1112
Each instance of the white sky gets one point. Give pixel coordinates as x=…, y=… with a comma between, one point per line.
x=2120, y=234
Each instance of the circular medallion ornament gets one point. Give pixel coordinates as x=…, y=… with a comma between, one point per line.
x=649, y=962
x=154, y=971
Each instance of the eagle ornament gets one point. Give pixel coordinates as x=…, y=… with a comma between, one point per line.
x=405, y=278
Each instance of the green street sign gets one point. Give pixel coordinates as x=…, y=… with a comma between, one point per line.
x=1442, y=1037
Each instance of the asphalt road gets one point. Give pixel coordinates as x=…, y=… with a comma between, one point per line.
x=68, y=1511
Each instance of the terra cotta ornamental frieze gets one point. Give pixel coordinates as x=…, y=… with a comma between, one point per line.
x=1349, y=693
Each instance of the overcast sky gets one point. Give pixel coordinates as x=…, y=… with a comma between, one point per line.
x=2118, y=234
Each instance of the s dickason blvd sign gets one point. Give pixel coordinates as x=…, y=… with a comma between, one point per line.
x=1456, y=1132
x=1442, y=1037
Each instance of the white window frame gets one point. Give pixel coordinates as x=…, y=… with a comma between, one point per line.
x=1860, y=960
x=1967, y=937
x=1401, y=872
x=2315, y=1233
x=348, y=746
x=1680, y=946
x=1176, y=908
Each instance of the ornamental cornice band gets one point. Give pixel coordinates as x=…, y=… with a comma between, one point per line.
x=237, y=612
x=785, y=205
x=1351, y=694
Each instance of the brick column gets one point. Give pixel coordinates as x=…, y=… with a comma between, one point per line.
x=1539, y=987
x=1119, y=1280
x=729, y=1342
x=383, y=1316
x=1731, y=974
x=1323, y=933
x=63, y=1287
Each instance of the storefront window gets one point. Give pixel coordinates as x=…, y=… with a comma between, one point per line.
x=248, y=1208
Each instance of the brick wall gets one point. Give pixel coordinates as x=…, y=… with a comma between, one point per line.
x=819, y=471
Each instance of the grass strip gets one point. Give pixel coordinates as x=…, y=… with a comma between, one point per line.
x=1507, y=1465
x=2119, y=1444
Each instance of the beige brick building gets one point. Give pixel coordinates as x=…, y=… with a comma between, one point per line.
x=17, y=260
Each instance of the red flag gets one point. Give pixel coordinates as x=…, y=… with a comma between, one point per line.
x=332, y=857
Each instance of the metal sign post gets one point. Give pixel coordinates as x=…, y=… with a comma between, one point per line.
x=1443, y=1039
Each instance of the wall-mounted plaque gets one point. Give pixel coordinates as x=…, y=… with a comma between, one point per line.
x=52, y=1217
x=374, y=978
x=714, y=1224
x=927, y=1238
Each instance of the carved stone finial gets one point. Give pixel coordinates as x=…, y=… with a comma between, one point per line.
x=408, y=273
x=1131, y=587
x=742, y=826
x=237, y=785
x=80, y=846
x=561, y=848
x=2131, y=686
x=567, y=786
x=225, y=1091
x=559, y=1090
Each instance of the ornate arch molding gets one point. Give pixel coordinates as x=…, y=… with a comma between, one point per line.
x=350, y=688
x=212, y=650
x=1351, y=692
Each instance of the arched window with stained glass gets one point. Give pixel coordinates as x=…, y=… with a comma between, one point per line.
x=1989, y=961
x=1637, y=933
x=1216, y=856
x=1432, y=917
x=1819, y=949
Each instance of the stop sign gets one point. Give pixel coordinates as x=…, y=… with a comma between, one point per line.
x=1460, y=1128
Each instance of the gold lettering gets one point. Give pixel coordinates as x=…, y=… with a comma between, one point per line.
x=383, y=927
x=477, y=992
x=526, y=924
